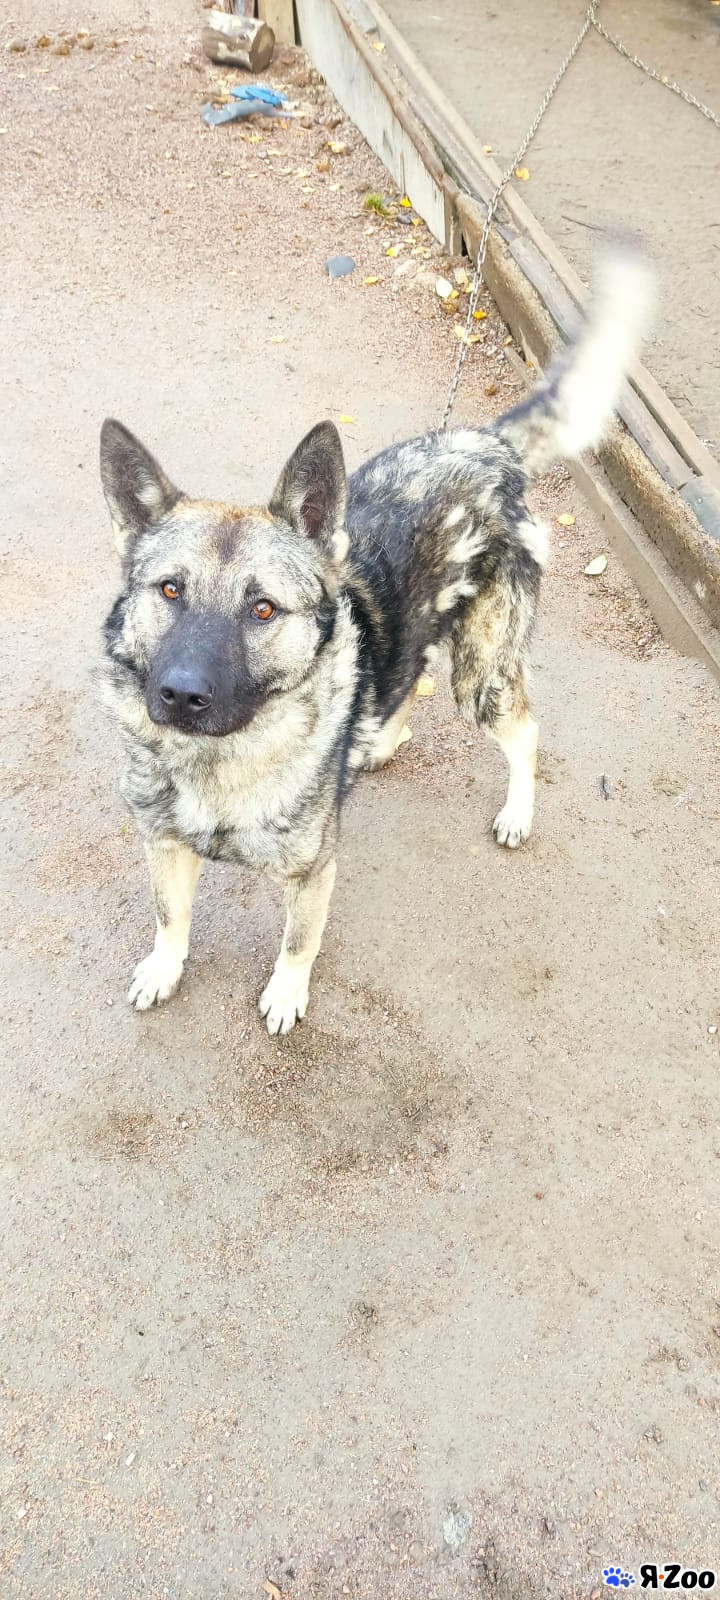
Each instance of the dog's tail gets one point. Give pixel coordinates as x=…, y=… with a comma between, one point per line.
x=570, y=409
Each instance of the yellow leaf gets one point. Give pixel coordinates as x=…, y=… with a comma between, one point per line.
x=272, y=1590
x=254, y=138
x=337, y=147
x=465, y=337
x=595, y=567
x=479, y=315
x=417, y=220
x=301, y=173
x=425, y=686
x=226, y=174
x=378, y=45
x=306, y=188
x=346, y=419
x=522, y=172
x=277, y=338
x=368, y=281
x=508, y=340
x=408, y=203
x=488, y=147
x=566, y=520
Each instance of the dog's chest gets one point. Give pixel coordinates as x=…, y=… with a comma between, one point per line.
x=265, y=825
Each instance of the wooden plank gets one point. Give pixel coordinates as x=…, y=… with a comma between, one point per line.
x=340, y=51
x=704, y=499
x=279, y=15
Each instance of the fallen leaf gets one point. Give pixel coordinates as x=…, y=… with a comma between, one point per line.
x=479, y=315
x=368, y=281
x=491, y=388
x=254, y=138
x=488, y=149
x=408, y=203
x=306, y=188
x=346, y=419
x=417, y=220
x=393, y=250
x=301, y=173
x=465, y=337
x=566, y=519
x=444, y=289
x=595, y=567
x=277, y=338
x=272, y=1589
x=461, y=277
x=425, y=686
x=378, y=45
x=403, y=736
x=508, y=340
x=337, y=147
x=522, y=172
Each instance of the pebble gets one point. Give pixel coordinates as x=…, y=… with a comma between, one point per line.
x=456, y=1528
x=339, y=266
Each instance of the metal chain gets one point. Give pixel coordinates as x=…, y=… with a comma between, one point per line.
x=589, y=22
x=659, y=77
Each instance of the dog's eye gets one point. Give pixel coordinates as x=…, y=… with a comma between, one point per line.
x=263, y=610
x=170, y=590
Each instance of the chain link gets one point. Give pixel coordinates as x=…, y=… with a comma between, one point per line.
x=590, y=21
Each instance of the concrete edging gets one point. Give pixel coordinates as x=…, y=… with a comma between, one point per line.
x=655, y=485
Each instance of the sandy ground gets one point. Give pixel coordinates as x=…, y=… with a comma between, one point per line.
x=425, y=1300
x=614, y=146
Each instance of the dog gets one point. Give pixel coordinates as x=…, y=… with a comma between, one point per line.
x=258, y=658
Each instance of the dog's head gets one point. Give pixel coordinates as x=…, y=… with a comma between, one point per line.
x=223, y=608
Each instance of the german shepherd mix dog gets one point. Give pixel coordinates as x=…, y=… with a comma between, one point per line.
x=259, y=657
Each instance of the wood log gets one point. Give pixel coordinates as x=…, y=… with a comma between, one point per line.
x=280, y=16
x=238, y=41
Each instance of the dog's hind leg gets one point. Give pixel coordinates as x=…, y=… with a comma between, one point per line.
x=285, y=998
x=174, y=872
x=488, y=645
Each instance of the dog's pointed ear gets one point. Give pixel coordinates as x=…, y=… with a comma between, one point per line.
x=311, y=493
x=136, y=488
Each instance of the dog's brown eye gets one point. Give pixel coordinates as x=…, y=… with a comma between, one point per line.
x=170, y=590
x=263, y=610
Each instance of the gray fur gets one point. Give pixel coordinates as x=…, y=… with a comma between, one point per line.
x=430, y=544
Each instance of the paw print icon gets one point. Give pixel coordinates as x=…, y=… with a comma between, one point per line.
x=617, y=1578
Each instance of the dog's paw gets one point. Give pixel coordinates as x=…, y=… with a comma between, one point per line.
x=285, y=999
x=512, y=825
x=154, y=980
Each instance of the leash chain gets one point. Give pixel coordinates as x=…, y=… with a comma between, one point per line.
x=590, y=21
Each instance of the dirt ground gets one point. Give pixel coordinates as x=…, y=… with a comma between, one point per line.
x=614, y=146
x=423, y=1301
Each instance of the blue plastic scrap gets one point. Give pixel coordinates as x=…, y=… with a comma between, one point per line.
x=248, y=100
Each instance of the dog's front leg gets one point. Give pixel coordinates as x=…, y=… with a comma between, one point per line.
x=173, y=874
x=286, y=996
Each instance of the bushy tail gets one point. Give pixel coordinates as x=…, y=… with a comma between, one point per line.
x=570, y=409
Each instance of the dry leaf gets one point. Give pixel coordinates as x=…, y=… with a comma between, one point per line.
x=444, y=289
x=479, y=315
x=522, y=172
x=368, y=281
x=301, y=173
x=408, y=203
x=277, y=338
x=393, y=250
x=337, y=147
x=508, y=340
x=461, y=277
x=272, y=1590
x=566, y=520
x=465, y=337
x=417, y=220
x=425, y=686
x=488, y=149
x=403, y=736
x=595, y=567
x=345, y=418
x=378, y=45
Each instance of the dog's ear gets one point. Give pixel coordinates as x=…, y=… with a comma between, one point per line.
x=311, y=493
x=136, y=489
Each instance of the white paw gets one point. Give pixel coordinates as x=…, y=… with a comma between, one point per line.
x=155, y=979
x=512, y=825
x=285, y=998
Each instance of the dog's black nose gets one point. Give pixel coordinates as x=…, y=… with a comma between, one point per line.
x=188, y=691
